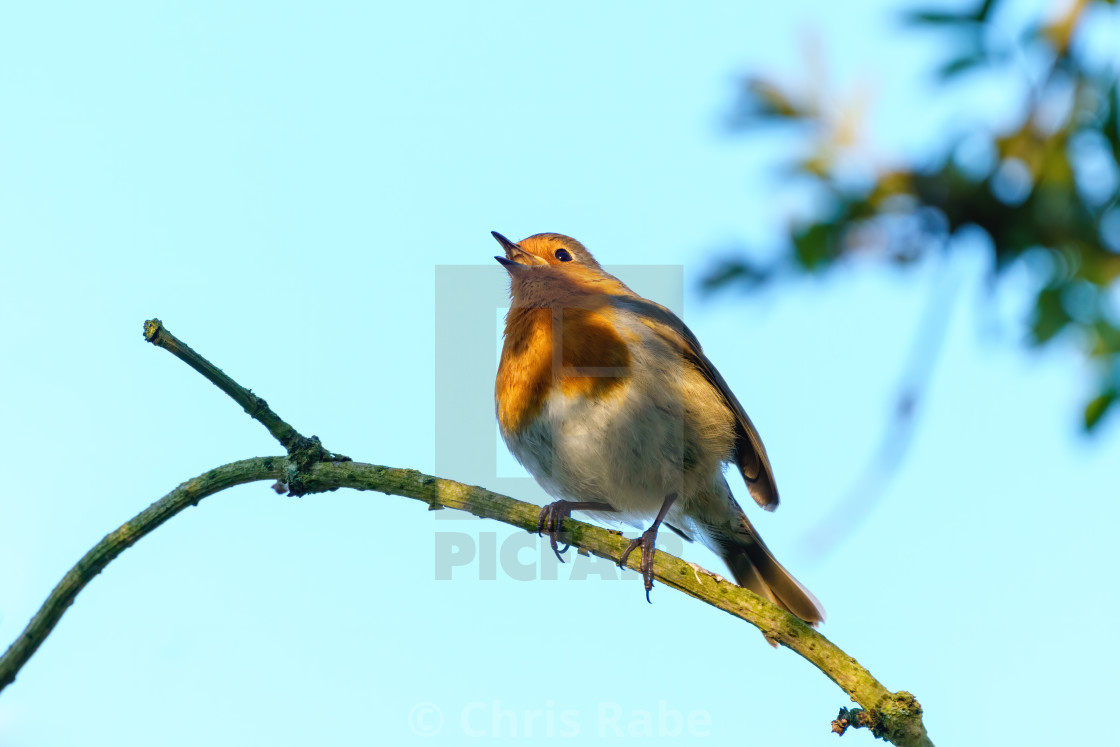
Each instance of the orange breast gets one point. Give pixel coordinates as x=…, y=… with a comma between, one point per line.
x=592, y=361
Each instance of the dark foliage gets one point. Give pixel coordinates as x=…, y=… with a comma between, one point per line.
x=1046, y=190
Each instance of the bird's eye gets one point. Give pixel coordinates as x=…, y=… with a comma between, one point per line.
x=563, y=255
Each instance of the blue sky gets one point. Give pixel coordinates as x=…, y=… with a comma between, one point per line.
x=279, y=182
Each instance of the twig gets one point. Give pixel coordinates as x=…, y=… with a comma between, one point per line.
x=303, y=451
x=258, y=409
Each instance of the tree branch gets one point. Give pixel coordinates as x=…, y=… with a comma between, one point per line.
x=896, y=717
x=899, y=713
x=258, y=409
x=303, y=451
x=124, y=537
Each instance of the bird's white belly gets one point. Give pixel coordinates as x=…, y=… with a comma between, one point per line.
x=625, y=450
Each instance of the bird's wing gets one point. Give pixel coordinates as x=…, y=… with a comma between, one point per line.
x=750, y=454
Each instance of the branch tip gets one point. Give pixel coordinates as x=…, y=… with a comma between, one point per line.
x=302, y=451
x=152, y=329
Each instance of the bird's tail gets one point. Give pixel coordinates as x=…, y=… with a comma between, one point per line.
x=755, y=568
x=735, y=539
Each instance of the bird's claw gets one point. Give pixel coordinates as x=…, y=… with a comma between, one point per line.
x=646, y=541
x=551, y=517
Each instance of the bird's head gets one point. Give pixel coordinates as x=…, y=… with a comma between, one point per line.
x=549, y=266
x=544, y=249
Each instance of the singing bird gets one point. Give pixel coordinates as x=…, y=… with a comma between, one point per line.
x=609, y=402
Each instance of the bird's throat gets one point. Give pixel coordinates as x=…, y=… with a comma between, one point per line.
x=572, y=351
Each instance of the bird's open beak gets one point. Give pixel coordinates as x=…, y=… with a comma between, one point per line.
x=515, y=256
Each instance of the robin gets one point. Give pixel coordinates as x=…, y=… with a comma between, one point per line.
x=609, y=402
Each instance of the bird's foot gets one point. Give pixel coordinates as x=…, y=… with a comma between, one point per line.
x=646, y=541
x=553, y=515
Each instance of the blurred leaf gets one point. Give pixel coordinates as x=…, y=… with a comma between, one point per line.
x=1097, y=407
x=815, y=246
x=961, y=64
x=1097, y=266
x=930, y=17
x=1111, y=125
x=1050, y=315
x=735, y=271
x=819, y=164
x=1107, y=339
x=1061, y=29
x=761, y=100
x=985, y=10
x=938, y=18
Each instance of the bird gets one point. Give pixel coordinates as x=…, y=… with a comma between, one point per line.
x=608, y=401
